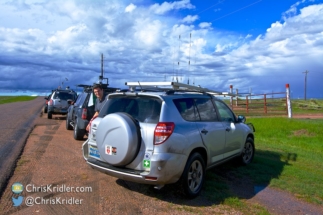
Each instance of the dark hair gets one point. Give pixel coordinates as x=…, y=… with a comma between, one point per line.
x=95, y=86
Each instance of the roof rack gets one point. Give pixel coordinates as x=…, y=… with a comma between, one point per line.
x=175, y=86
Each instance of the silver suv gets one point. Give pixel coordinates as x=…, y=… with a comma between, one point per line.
x=58, y=102
x=160, y=136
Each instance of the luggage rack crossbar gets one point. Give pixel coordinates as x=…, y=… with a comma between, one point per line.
x=174, y=86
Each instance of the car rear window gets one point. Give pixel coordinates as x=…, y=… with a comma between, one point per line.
x=144, y=109
x=64, y=95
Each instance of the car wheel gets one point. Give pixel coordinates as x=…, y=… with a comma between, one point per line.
x=248, y=151
x=78, y=133
x=118, y=139
x=193, y=176
x=45, y=109
x=49, y=115
x=68, y=124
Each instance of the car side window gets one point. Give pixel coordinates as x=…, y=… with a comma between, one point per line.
x=206, y=109
x=80, y=99
x=186, y=108
x=226, y=115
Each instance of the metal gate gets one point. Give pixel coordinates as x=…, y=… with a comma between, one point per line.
x=267, y=104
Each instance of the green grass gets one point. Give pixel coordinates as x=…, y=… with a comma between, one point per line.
x=298, y=143
x=308, y=106
x=10, y=99
x=289, y=155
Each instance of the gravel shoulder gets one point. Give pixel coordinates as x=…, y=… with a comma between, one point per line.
x=52, y=157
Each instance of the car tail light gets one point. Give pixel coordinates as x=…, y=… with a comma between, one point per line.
x=84, y=113
x=163, y=131
x=50, y=102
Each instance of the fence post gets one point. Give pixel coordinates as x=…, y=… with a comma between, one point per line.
x=247, y=104
x=231, y=97
x=288, y=102
x=265, y=100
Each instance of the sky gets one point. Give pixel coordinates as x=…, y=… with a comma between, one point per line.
x=256, y=46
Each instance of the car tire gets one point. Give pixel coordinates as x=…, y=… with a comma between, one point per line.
x=248, y=151
x=193, y=176
x=78, y=133
x=44, y=109
x=68, y=124
x=49, y=115
x=118, y=139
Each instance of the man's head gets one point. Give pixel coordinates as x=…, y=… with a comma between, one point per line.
x=98, y=91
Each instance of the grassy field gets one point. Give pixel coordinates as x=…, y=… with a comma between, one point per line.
x=289, y=155
x=308, y=106
x=10, y=99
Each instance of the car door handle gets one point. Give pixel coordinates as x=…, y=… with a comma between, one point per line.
x=228, y=129
x=204, y=131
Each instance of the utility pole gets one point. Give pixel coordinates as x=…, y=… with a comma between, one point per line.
x=305, y=83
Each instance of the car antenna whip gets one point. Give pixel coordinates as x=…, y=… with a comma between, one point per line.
x=140, y=86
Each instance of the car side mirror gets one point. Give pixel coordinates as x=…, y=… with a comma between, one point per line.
x=241, y=119
x=70, y=102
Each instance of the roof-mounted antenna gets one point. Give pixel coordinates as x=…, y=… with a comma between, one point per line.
x=179, y=57
x=140, y=86
x=189, y=60
x=101, y=77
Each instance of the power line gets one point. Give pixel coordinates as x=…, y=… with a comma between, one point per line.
x=210, y=7
x=237, y=10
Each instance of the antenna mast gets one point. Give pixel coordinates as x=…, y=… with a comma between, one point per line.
x=101, y=77
x=179, y=46
x=189, y=60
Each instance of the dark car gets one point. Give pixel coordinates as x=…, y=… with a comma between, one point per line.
x=58, y=102
x=81, y=112
x=45, y=108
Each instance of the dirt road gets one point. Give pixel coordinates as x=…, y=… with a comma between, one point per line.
x=52, y=162
x=17, y=121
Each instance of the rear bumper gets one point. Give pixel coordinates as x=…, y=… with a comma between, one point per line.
x=166, y=168
x=55, y=110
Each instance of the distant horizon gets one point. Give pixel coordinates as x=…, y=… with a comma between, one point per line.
x=45, y=92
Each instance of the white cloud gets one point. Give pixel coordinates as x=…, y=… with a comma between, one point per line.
x=130, y=8
x=205, y=25
x=168, y=6
x=190, y=19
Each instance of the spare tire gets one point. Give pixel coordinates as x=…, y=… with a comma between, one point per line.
x=118, y=139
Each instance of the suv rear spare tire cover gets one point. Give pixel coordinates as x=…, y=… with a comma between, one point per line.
x=118, y=139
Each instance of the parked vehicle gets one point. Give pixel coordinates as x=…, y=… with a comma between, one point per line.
x=45, y=108
x=160, y=136
x=81, y=112
x=58, y=102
